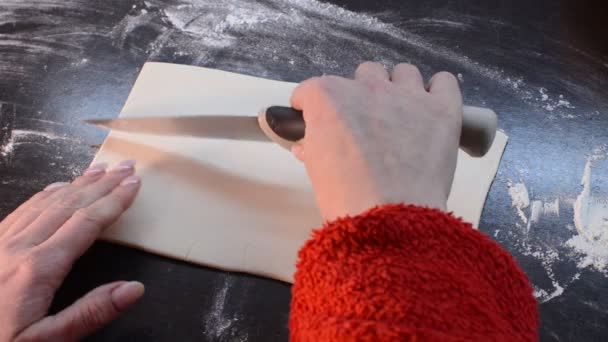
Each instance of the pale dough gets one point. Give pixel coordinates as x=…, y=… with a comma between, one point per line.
x=233, y=205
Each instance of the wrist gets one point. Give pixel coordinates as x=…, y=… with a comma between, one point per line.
x=354, y=208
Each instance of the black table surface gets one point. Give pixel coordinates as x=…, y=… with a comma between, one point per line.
x=542, y=65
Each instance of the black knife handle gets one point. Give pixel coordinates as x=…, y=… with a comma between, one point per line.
x=286, y=122
x=285, y=126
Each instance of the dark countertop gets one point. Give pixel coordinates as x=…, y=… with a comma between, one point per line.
x=542, y=65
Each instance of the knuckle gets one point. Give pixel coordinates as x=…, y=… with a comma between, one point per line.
x=89, y=215
x=328, y=87
x=445, y=76
x=439, y=107
x=311, y=81
x=309, y=87
x=118, y=205
x=71, y=201
x=304, y=88
x=39, y=196
x=13, y=243
x=375, y=85
x=314, y=85
x=33, y=266
x=102, y=214
x=11, y=217
x=34, y=210
x=328, y=81
x=406, y=67
x=447, y=112
x=41, y=267
x=93, y=316
x=370, y=65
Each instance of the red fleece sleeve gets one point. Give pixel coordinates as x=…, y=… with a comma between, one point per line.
x=406, y=273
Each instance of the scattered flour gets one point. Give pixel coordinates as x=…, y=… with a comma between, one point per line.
x=80, y=63
x=539, y=208
x=19, y=134
x=520, y=199
x=439, y=22
x=591, y=222
x=539, y=293
x=550, y=104
x=551, y=208
x=313, y=32
x=535, y=212
x=543, y=296
x=599, y=152
x=218, y=322
x=515, y=83
x=216, y=25
x=7, y=149
x=543, y=94
x=548, y=257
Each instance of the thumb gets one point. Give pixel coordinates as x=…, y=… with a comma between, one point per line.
x=91, y=312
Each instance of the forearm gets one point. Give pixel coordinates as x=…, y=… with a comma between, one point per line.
x=408, y=272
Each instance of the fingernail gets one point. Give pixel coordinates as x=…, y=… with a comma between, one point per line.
x=96, y=169
x=125, y=165
x=55, y=186
x=131, y=180
x=127, y=294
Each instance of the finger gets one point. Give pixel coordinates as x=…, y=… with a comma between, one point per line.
x=32, y=209
x=31, y=212
x=91, y=312
x=407, y=76
x=444, y=86
x=91, y=174
x=315, y=91
x=84, y=227
x=303, y=92
x=57, y=213
x=371, y=71
x=16, y=214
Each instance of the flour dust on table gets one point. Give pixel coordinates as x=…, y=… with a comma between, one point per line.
x=300, y=35
x=220, y=324
x=587, y=246
x=591, y=221
x=520, y=199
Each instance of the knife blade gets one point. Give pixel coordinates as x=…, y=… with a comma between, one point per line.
x=201, y=126
x=284, y=122
x=283, y=125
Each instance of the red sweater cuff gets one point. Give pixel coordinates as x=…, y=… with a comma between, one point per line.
x=408, y=273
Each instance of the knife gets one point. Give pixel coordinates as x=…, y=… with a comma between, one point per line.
x=283, y=125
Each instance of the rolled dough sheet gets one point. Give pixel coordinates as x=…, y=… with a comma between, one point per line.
x=233, y=205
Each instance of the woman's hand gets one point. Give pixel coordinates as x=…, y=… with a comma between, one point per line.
x=379, y=138
x=40, y=241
